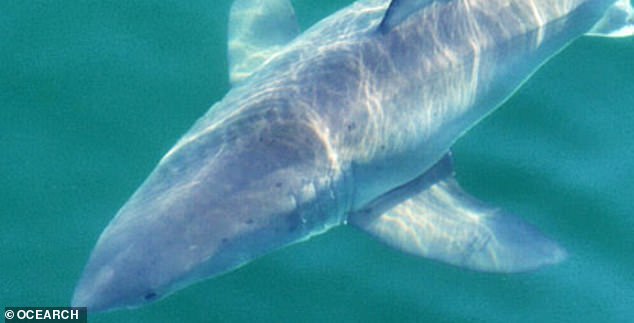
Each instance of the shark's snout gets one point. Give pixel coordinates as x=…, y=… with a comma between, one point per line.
x=206, y=210
x=93, y=291
x=136, y=261
x=105, y=286
x=101, y=293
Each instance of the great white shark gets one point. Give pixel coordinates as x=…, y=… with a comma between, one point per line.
x=350, y=122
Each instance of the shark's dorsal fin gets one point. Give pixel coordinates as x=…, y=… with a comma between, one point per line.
x=399, y=10
x=257, y=30
x=618, y=21
x=434, y=218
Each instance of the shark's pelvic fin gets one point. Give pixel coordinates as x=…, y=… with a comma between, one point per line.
x=433, y=217
x=257, y=30
x=617, y=22
x=399, y=10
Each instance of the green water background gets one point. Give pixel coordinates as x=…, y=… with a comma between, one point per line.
x=93, y=93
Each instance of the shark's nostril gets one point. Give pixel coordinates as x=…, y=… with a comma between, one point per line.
x=150, y=296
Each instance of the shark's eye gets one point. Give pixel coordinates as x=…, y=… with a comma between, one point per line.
x=150, y=296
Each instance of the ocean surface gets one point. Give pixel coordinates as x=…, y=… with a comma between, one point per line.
x=93, y=93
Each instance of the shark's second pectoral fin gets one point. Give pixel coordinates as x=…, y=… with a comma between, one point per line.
x=617, y=22
x=257, y=30
x=434, y=218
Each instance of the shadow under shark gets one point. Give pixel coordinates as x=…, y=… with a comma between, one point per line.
x=349, y=122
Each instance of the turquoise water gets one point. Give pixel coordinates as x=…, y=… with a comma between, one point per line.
x=92, y=94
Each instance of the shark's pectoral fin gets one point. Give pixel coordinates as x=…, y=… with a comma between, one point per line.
x=257, y=30
x=617, y=22
x=438, y=220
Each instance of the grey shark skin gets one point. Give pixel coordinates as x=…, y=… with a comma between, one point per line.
x=349, y=122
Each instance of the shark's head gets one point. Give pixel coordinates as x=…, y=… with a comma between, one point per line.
x=220, y=198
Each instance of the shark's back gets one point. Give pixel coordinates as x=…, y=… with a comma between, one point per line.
x=397, y=88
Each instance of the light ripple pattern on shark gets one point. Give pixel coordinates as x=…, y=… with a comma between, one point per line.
x=348, y=122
